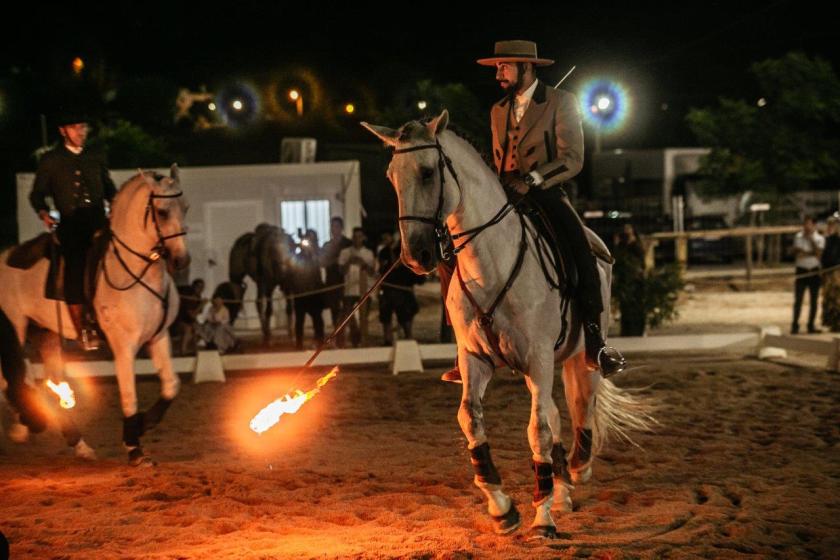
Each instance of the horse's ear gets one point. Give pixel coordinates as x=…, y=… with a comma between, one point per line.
x=439, y=123
x=387, y=135
x=174, y=173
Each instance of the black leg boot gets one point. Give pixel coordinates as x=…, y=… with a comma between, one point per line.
x=598, y=355
x=88, y=338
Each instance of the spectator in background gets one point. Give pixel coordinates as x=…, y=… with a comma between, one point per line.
x=231, y=295
x=189, y=309
x=808, y=246
x=329, y=260
x=357, y=266
x=830, y=261
x=216, y=330
x=397, y=293
x=306, y=278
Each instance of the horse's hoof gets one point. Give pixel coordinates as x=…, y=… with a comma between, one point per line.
x=136, y=458
x=18, y=433
x=540, y=532
x=582, y=475
x=507, y=523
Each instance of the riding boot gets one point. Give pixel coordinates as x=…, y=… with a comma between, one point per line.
x=88, y=337
x=453, y=375
x=598, y=355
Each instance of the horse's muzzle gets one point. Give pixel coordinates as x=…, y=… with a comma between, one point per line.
x=182, y=261
x=420, y=253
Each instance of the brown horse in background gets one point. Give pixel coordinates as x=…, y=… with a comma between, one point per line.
x=263, y=255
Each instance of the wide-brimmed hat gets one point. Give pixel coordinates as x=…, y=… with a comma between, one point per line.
x=515, y=51
x=66, y=117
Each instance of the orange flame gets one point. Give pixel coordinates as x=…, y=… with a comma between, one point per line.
x=287, y=404
x=65, y=393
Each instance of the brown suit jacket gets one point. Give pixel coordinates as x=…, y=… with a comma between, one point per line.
x=549, y=139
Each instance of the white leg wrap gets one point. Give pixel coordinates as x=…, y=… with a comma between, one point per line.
x=542, y=514
x=562, y=496
x=498, y=503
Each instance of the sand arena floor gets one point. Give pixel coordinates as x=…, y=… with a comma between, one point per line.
x=744, y=465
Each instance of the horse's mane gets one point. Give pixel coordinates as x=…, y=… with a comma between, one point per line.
x=417, y=130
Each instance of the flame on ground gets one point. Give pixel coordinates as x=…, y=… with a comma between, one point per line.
x=67, y=399
x=287, y=404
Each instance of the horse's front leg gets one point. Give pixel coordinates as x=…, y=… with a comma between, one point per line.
x=161, y=352
x=124, y=349
x=580, y=384
x=476, y=374
x=540, y=381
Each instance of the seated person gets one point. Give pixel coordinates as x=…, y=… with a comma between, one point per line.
x=216, y=331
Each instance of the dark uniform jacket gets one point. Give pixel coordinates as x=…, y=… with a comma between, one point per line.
x=71, y=181
x=548, y=139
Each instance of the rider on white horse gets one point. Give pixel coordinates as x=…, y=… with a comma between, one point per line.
x=77, y=182
x=537, y=145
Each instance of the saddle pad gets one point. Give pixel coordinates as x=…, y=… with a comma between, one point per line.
x=26, y=255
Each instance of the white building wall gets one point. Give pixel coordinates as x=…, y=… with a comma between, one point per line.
x=228, y=201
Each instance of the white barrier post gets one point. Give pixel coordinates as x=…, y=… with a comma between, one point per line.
x=406, y=357
x=766, y=352
x=208, y=367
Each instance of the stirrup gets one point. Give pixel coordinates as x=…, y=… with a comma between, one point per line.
x=89, y=340
x=610, y=361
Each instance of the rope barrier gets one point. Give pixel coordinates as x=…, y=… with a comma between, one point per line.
x=283, y=296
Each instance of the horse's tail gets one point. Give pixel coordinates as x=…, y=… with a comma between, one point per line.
x=618, y=413
x=20, y=394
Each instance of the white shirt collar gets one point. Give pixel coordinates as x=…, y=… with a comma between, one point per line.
x=523, y=100
x=525, y=96
x=73, y=149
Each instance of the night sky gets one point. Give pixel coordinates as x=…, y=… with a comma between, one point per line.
x=682, y=54
x=668, y=56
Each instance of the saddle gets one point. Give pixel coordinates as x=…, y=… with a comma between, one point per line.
x=46, y=246
x=563, y=261
x=559, y=266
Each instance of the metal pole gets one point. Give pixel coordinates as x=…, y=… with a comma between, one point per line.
x=341, y=325
x=572, y=69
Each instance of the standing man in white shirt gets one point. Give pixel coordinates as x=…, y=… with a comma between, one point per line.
x=356, y=263
x=808, y=246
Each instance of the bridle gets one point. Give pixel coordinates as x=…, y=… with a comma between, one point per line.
x=444, y=238
x=159, y=250
x=447, y=247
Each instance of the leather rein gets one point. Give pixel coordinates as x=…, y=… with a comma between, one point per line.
x=159, y=250
x=448, y=248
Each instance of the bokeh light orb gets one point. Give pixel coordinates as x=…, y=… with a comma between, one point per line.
x=238, y=104
x=604, y=104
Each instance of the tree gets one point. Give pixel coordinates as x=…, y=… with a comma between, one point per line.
x=788, y=141
x=470, y=118
x=129, y=146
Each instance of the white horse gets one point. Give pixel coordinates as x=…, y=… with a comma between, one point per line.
x=135, y=301
x=504, y=311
